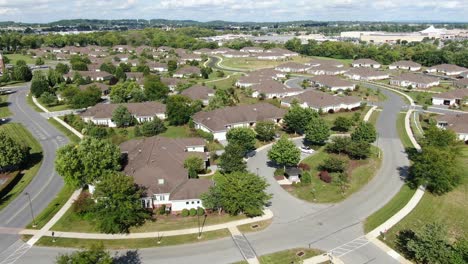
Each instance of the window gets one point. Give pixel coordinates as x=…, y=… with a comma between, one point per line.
x=193, y=202
x=160, y=181
x=186, y=202
x=198, y=202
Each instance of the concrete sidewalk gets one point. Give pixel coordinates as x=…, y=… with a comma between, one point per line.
x=44, y=231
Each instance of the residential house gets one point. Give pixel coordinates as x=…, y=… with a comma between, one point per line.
x=405, y=65
x=101, y=114
x=187, y=72
x=285, y=52
x=292, y=67
x=272, y=89
x=414, y=80
x=319, y=100
x=203, y=51
x=135, y=76
x=461, y=83
x=219, y=121
x=271, y=56
x=252, y=49
x=157, y=66
x=447, y=69
x=366, y=74
x=172, y=83
x=105, y=89
x=164, y=49
x=95, y=76
x=122, y=48
x=235, y=54
x=366, y=63
x=454, y=97
x=185, y=58
x=258, y=76
x=333, y=83
x=199, y=92
x=458, y=123
x=221, y=51
x=326, y=69
x=323, y=62
x=157, y=163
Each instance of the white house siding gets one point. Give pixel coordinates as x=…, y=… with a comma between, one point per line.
x=462, y=136
x=179, y=205
x=195, y=149
x=336, y=88
x=440, y=101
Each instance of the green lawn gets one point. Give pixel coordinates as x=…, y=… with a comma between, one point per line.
x=383, y=214
x=54, y=206
x=16, y=187
x=58, y=107
x=224, y=84
x=16, y=57
x=371, y=95
x=72, y=137
x=344, y=61
x=415, y=124
x=288, y=256
x=176, y=132
x=30, y=102
x=133, y=243
x=254, y=63
x=4, y=110
x=405, y=140
x=421, y=98
x=360, y=173
x=254, y=227
x=375, y=115
x=450, y=209
x=330, y=118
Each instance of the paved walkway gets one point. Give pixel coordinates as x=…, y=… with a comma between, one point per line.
x=369, y=113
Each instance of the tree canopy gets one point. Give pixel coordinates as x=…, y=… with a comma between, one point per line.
x=12, y=153
x=266, y=130
x=153, y=127
x=122, y=117
x=242, y=136
x=317, y=131
x=365, y=131
x=179, y=109
x=232, y=159
x=194, y=164
x=95, y=254
x=285, y=152
x=297, y=118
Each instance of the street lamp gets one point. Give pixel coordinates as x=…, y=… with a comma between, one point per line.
x=257, y=171
x=200, y=228
x=30, y=207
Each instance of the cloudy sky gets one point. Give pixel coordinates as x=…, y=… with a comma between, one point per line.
x=236, y=10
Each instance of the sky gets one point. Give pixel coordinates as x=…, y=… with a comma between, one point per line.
x=236, y=10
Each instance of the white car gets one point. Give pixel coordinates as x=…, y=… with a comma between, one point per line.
x=308, y=150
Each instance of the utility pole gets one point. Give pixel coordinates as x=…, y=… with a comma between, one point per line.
x=30, y=207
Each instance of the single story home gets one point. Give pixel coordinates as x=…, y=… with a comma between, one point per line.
x=333, y=83
x=317, y=100
x=292, y=67
x=454, y=97
x=101, y=114
x=285, y=52
x=405, y=65
x=323, y=62
x=458, y=123
x=271, y=56
x=258, y=76
x=157, y=66
x=95, y=76
x=219, y=121
x=187, y=72
x=367, y=63
x=252, y=49
x=157, y=163
x=236, y=54
x=366, y=74
x=172, y=83
x=326, y=69
x=199, y=92
x=414, y=80
x=447, y=69
x=105, y=89
x=273, y=89
x=462, y=83
x=135, y=76
x=203, y=51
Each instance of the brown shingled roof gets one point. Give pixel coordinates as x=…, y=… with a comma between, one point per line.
x=137, y=109
x=198, y=92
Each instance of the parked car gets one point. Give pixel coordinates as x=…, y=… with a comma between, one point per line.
x=306, y=149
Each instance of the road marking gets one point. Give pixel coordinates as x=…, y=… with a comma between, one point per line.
x=18, y=253
x=349, y=247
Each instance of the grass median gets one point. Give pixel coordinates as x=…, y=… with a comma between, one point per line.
x=72, y=137
x=4, y=110
x=133, y=243
x=295, y=255
x=405, y=140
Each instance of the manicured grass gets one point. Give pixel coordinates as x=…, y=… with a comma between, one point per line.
x=54, y=206
x=261, y=225
x=4, y=110
x=176, y=132
x=373, y=118
x=224, y=84
x=330, y=118
x=287, y=256
x=16, y=57
x=30, y=102
x=421, y=98
x=133, y=243
x=254, y=63
x=371, y=95
x=30, y=169
x=415, y=124
x=344, y=61
x=71, y=222
x=72, y=137
x=383, y=214
x=450, y=209
x=405, y=140
x=360, y=173
x=59, y=107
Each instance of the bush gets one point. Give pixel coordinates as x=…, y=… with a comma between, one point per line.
x=83, y=203
x=304, y=166
x=333, y=164
x=97, y=132
x=306, y=178
x=185, y=213
x=193, y=212
x=200, y=211
x=206, y=135
x=279, y=172
x=162, y=209
x=325, y=176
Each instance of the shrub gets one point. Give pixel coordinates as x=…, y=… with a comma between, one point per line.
x=206, y=135
x=193, y=212
x=304, y=166
x=279, y=172
x=333, y=164
x=97, y=132
x=306, y=178
x=83, y=203
x=200, y=211
x=162, y=209
x=185, y=213
x=325, y=176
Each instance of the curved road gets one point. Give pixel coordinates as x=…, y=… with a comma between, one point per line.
x=44, y=186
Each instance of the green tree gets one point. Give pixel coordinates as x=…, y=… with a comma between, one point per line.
x=239, y=192
x=48, y=99
x=306, y=178
x=88, y=97
x=338, y=145
x=436, y=168
x=107, y=67
x=122, y=117
x=155, y=89
x=86, y=162
x=118, y=207
x=95, y=254
x=39, y=84
x=39, y=61
x=232, y=159
x=365, y=131
x=172, y=65
x=62, y=68
x=266, y=130
x=79, y=66
x=153, y=127
x=297, y=118
x=12, y=153
x=317, y=131
x=242, y=136
x=21, y=72
x=194, y=164
x=285, y=152
x=358, y=150
x=333, y=164
x=342, y=124
x=179, y=109
x=442, y=138
x=120, y=74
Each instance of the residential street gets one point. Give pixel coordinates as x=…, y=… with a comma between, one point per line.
x=45, y=185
